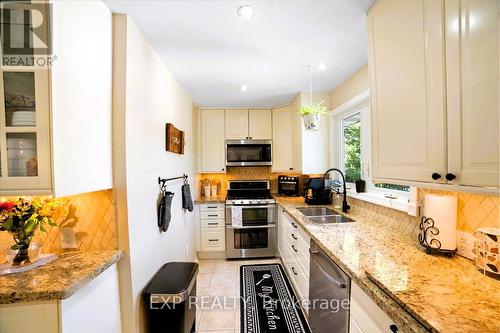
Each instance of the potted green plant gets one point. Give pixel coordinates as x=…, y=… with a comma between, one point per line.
x=311, y=115
x=22, y=218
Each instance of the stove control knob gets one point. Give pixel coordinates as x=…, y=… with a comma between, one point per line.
x=233, y=202
x=251, y=202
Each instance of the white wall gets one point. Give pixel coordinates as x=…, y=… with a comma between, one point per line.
x=81, y=96
x=315, y=145
x=151, y=98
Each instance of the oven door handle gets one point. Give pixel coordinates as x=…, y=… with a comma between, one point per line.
x=229, y=226
x=255, y=206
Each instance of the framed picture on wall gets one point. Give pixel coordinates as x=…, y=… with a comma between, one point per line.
x=175, y=139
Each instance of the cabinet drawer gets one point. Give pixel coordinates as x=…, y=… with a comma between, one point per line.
x=212, y=215
x=206, y=223
x=213, y=239
x=299, y=280
x=211, y=207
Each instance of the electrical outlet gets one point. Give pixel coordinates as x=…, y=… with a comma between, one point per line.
x=68, y=238
x=465, y=244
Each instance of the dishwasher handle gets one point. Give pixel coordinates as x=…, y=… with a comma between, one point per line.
x=339, y=284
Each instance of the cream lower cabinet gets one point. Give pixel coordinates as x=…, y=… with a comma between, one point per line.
x=365, y=316
x=94, y=308
x=213, y=156
x=434, y=81
x=212, y=228
x=293, y=245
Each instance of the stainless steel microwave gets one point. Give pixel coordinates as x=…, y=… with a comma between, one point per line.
x=249, y=152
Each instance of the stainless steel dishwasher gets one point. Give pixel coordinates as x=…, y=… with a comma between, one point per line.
x=328, y=283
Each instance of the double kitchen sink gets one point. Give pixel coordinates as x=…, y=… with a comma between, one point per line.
x=323, y=215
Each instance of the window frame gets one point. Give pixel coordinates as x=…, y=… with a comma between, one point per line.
x=359, y=104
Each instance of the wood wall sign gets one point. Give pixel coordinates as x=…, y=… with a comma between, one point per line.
x=175, y=139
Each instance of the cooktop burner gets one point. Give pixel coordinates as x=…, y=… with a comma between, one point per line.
x=249, y=192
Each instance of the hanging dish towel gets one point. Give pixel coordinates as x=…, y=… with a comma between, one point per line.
x=187, y=201
x=164, y=212
x=236, y=216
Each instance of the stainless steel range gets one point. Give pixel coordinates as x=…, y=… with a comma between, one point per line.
x=251, y=216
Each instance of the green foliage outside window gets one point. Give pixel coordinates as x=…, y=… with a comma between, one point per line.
x=352, y=151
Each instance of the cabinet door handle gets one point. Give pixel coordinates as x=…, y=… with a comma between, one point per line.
x=294, y=237
x=291, y=168
x=449, y=177
x=293, y=247
x=212, y=215
x=212, y=207
x=213, y=240
x=294, y=225
x=436, y=176
x=213, y=223
x=222, y=169
x=293, y=270
x=393, y=328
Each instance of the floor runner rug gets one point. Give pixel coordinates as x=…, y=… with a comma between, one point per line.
x=268, y=302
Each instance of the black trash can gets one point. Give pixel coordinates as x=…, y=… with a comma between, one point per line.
x=169, y=299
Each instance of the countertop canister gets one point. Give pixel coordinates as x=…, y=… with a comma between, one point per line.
x=442, y=209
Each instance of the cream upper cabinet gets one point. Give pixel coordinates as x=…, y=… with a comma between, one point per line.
x=248, y=124
x=434, y=76
x=472, y=50
x=212, y=141
x=260, y=124
x=55, y=121
x=25, y=163
x=282, y=138
x=236, y=124
x=406, y=61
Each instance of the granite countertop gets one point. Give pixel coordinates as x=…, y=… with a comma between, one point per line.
x=215, y=199
x=419, y=292
x=58, y=279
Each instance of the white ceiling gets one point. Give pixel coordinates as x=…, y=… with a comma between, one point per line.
x=212, y=52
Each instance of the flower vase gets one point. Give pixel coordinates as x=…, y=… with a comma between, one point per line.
x=311, y=122
x=22, y=256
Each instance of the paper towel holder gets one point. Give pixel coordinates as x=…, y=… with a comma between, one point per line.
x=434, y=245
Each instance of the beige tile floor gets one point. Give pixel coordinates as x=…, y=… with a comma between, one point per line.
x=218, y=291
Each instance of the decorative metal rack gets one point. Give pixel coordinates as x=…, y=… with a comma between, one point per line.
x=434, y=245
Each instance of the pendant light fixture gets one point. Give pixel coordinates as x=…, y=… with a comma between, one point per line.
x=311, y=114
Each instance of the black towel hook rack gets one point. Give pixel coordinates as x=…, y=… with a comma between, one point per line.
x=162, y=181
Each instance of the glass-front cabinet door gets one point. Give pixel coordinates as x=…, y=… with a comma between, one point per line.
x=25, y=159
x=24, y=130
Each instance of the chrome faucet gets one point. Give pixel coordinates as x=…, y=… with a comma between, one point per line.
x=345, y=206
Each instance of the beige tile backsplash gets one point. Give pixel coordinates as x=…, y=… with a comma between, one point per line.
x=94, y=222
x=244, y=173
x=474, y=210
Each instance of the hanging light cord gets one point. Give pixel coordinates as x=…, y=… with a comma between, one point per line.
x=310, y=85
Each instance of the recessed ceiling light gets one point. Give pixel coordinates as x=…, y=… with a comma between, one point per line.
x=246, y=12
x=322, y=66
x=243, y=88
